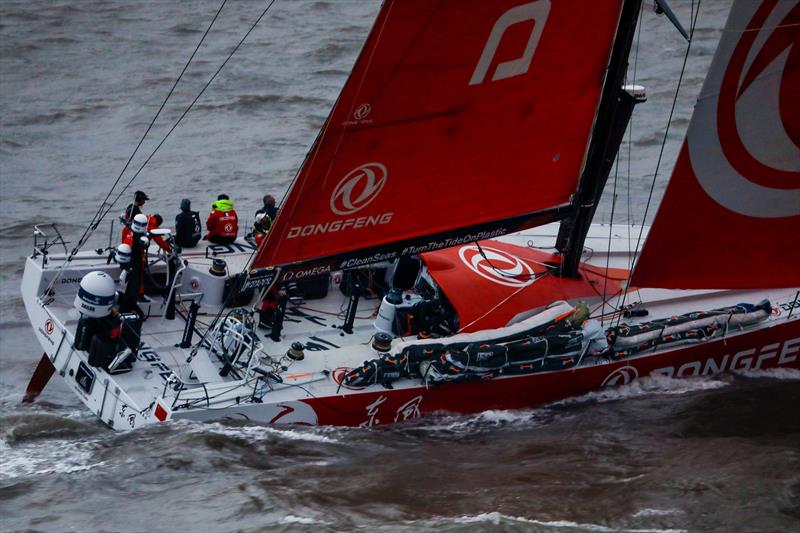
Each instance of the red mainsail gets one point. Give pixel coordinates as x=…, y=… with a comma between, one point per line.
x=731, y=215
x=461, y=120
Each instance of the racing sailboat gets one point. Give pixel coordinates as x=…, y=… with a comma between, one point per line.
x=430, y=254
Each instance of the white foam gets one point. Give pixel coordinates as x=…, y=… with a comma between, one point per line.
x=656, y=512
x=507, y=417
x=783, y=374
x=50, y=457
x=487, y=419
x=292, y=519
x=646, y=386
x=496, y=518
x=259, y=433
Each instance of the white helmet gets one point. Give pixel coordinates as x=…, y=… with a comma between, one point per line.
x=260, y=217
x=139, y=224
x=96, y=294
x=124, y=254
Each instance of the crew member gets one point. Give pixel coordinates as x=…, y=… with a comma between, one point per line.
x=98, y=330
x=111, y=339
x=222, y=223
x=270, y=303
x=188, y=228
x=139, y=198
x=269, y=208
x=261, y=227
x=154, y=222
x=138, y=242
x=123, y=259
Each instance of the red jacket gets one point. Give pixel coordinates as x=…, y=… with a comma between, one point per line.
x=127, y=236
x=223, y=224
x=151, y=225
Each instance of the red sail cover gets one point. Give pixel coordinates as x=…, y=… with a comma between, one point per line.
x=731, y=215
x=457, y=114
x=491, y=284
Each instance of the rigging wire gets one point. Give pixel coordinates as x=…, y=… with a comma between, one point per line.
x=189, y=107
x=499, y=304
x=630, y=135
x=695, y=13
x=97, y=218
x=610, y=233
x=506, y=274
x=607, y=298
x=105, y=208
x=161, y=108
x=312, y=152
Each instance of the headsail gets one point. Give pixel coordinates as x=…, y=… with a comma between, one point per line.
x=731, y=215
x=461, y=120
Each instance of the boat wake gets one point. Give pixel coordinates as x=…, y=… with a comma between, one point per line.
x=495, y=518
x=48, y=457
x=780, y=374
x=647, y=386
x=260, y=434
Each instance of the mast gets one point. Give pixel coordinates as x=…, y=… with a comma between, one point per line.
x=614, y=113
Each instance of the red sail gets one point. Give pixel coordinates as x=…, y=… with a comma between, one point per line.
x=731, y=215
x=461, y=120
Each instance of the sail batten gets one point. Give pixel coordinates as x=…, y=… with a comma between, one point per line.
x=459, y=117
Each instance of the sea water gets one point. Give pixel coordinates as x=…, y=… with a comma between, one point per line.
x=80, y=82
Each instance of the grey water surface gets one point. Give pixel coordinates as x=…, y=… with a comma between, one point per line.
x=80, y=81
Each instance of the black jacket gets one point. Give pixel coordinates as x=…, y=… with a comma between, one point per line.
x=188, y=229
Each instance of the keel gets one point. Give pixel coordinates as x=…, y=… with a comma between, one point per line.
x=42, y=374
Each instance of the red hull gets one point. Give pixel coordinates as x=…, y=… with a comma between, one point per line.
x=776, y=346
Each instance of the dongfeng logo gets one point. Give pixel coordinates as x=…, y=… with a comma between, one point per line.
x=362, y=111
x=621, y=376
x=497, y=266
x=751, y=163
x=358, y=188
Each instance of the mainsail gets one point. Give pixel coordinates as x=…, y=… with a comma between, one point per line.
x=731, y=215
x=461, y=120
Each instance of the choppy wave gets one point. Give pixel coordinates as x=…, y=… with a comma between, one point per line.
x=81, y=82
x=45, y=459
x=26, y=427
x=35, y=444
x=250, y=102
